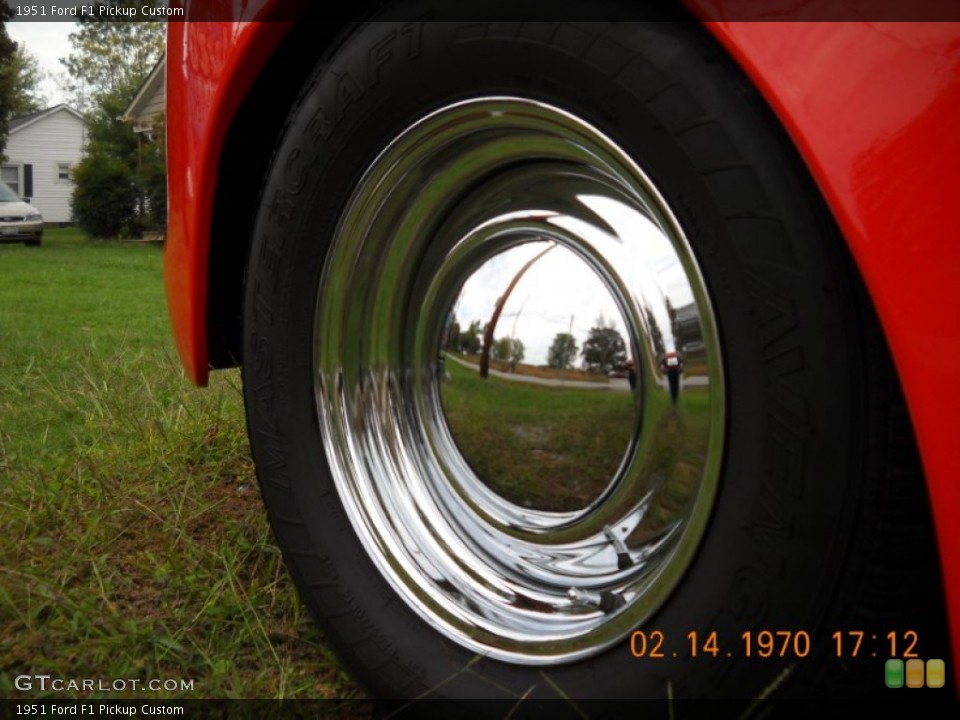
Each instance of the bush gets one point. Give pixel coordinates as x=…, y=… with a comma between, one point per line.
x=104, y=194
x=153, y=177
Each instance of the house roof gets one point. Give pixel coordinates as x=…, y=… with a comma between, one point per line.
x=148, y=88
x=19, y=123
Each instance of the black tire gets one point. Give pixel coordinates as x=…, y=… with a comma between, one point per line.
x=790, y=543
x=35, y=242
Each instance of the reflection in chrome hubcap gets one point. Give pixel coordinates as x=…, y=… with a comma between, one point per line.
x=536, y=491
x=538, y=432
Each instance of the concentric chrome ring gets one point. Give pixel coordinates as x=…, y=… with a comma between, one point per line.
x=460, y=186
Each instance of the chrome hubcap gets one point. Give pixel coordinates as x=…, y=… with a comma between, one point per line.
x=538, y=514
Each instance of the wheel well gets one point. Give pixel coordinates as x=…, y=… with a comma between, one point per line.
x=247, y=153
x=244, y=161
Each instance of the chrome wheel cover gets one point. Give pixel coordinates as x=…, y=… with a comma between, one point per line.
x=465, y=184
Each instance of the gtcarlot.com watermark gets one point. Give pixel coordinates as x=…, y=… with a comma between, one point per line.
x=47, y=683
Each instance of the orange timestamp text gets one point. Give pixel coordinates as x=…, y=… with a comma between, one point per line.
x=654, y=644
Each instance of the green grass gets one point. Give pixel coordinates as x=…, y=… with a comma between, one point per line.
x=549, y=448
x=558, y=448
x=134, y=540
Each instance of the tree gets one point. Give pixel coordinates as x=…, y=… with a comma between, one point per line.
x=104, y=194
x=510, y=350
x=109, y=61
x=111, y=56
x=604, y=348
x=471, y=340
x=562, y=351
x=453, y=336
x=153, y=176
x=502, y=348
x=28, y=77
x=8, y=48
x=517, y=353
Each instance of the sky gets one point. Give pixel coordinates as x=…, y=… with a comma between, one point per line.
x=559, y=293
x=562, y=293
x=48, y=42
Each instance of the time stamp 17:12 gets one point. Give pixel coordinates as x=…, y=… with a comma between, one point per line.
x=653, y=644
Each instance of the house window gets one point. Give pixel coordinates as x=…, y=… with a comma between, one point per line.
x=10, y=174
x=63, y=172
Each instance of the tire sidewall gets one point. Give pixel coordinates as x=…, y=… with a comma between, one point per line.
x=770, y=557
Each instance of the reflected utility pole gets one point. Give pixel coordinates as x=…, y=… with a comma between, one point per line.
x=492, y=325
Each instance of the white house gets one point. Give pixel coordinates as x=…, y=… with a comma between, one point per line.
x=42, y=148
x=150, y=101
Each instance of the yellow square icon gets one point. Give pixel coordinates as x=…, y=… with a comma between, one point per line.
x=915, y=673
x=936, y=673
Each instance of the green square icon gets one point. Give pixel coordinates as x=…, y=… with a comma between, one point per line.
x=893, y=673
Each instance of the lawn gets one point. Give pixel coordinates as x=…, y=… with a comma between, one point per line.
x=133, y=536
x=557, y=448
x=553, y=448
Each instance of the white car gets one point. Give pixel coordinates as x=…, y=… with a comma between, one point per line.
x=19, y=221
